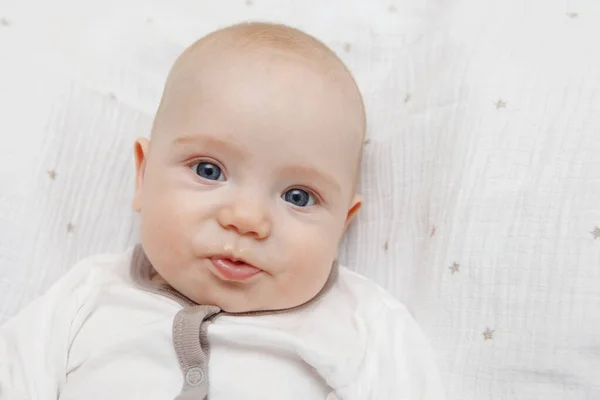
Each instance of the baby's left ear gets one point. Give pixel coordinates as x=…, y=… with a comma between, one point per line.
x=355, y=205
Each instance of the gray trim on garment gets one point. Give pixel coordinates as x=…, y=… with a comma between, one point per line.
x=190, y=325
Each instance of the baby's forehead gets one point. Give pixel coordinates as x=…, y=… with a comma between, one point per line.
x=265, y=43
x=223, y=61
x=290, y=80
x=243, y=63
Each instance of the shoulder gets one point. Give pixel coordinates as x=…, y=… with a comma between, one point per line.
x=398, y=361
x=89, y=276
x=385, y=317
x=385, y=323
x=370, y=298
x=107, y=267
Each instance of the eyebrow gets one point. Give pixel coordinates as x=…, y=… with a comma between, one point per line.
x=210, y=141
x=314, y=174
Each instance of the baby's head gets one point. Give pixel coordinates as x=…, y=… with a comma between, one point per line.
x=248, y=182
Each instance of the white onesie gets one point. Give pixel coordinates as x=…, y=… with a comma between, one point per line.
x=99, y=334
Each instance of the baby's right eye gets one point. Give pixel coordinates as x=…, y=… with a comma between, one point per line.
x=208, y=170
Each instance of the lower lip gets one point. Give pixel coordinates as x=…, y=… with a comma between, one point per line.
x=232, y=271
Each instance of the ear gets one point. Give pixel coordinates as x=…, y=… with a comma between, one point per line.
x=140, y=151
x=355, y=205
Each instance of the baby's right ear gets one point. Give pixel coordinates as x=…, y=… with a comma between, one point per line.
x=140, y=151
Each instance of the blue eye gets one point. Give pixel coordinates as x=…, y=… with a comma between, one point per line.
x=208, y=171
x=299, y=198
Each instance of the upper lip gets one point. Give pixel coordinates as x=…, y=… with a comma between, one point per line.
x=233, y=258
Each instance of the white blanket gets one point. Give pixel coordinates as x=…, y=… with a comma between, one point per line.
x=482, y=170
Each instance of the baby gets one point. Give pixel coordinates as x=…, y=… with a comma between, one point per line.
x=244, y=191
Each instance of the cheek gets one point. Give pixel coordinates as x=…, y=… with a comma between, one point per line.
x=175, y=211
x=316, y=239
x=163, y=231
x=308, y=265
x=310, y=253
x=165, y=214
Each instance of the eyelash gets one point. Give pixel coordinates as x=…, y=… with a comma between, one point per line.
x=318, y=198
x=197, y=161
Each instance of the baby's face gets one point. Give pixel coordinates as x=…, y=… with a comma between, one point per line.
x=248, y=184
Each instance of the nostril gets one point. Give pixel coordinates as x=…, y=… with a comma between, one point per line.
x=246, y=224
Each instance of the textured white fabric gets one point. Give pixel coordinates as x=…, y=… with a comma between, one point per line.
x=483, y=153
x=98, y=336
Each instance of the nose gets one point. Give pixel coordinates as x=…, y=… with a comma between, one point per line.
x=246, y=217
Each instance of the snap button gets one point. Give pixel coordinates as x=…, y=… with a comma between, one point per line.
x=194, y=377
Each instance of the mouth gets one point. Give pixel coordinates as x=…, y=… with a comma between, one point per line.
x=233, y=269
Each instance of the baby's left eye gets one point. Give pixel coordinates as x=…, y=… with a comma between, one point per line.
x=299, y=198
